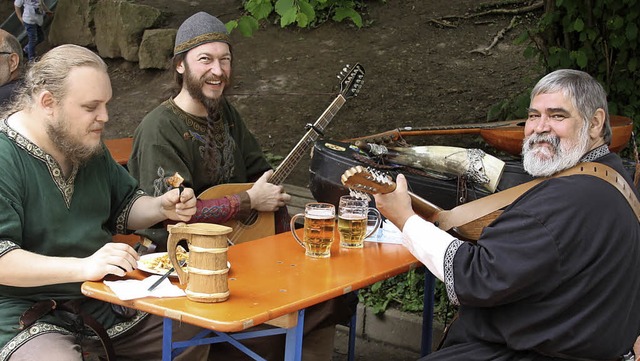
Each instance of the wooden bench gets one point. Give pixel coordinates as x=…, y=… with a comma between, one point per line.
x=120, y=149
x=130, y=239
x=300, y=196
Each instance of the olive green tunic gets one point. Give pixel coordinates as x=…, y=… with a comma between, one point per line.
x=169, y=140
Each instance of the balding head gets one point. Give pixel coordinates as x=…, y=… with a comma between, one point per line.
x=11, y=58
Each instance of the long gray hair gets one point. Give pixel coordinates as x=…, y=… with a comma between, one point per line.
x=584, y=92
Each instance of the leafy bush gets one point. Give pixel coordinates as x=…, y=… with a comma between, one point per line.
x=406, y=293
x=303, y=13
x=597, y=36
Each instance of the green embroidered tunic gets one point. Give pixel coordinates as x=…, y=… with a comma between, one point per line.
x=169, y=140
x=44, y=213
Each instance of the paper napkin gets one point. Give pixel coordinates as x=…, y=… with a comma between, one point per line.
x=387, y=233
x=132, y=289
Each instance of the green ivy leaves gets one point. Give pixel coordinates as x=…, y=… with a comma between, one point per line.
x=302, y=13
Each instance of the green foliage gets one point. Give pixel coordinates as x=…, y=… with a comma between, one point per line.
x=406, y=293
x=273, y=159
x=597, y=36
x=303, y=13
x=512, y=108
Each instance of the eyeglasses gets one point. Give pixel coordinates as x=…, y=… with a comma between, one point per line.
x=6, y=52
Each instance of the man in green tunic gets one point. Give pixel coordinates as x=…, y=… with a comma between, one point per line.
x=200, y=135
x=62, y=197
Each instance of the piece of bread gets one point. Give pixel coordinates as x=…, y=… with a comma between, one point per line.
x=175, y=180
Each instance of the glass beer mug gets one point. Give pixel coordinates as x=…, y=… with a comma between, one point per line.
x=319, y=223
x=353, y=221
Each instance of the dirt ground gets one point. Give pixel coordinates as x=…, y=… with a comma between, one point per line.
x=417, y=73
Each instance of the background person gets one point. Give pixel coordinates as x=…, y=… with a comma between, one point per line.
x=62, y=197
x=554, y=277
x=11, y=63
x=31, y=14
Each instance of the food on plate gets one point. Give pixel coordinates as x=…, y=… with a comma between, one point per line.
x=162, y=263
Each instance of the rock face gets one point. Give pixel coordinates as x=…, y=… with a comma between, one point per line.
x=156, y=48
x=72, y=23
x=116, y=28
x=119, y=27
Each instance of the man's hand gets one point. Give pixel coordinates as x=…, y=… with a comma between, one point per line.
x=396, y=206
x=179, y=204
x=112, y=258
x=267, y=197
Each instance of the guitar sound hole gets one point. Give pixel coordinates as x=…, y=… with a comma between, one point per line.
x=251, y=219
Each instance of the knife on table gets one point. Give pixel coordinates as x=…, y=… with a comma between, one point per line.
x=164, y=276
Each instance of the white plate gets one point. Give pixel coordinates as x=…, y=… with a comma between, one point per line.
x=157, y=271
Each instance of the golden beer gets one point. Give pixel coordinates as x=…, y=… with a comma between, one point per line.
x=353, y=221
x=352, y=228
x=318, y=235
x=319, y=224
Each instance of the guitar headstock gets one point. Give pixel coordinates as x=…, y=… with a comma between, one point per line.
x=351, y=80
x=367, y=180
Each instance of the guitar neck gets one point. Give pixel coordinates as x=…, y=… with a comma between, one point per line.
x=423, y=207
x=468, y=127
x=292, y=159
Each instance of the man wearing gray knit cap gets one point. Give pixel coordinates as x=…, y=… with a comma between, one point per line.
x=200, y=135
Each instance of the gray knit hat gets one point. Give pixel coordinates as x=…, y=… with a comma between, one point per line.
x=198, y=29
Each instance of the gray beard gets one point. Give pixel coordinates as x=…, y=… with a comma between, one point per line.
x=564, y=155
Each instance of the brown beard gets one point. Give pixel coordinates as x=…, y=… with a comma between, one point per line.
x=77, y=153
x=194, y=88
x=218, y=151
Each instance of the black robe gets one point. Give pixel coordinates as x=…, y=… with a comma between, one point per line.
x=555, y=275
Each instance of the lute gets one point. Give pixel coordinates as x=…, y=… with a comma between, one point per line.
x=261, y=224
x=371, y=181
x=466, y=221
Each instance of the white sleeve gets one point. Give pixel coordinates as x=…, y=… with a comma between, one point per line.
x=427, y=243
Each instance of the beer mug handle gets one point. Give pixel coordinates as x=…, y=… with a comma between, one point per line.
x=292, y=225
x=378, y=221
x=172, y=245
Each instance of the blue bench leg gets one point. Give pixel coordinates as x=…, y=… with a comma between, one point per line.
x=427, y=313
x=352, y=337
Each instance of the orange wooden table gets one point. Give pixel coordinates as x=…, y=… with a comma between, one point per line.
x=270, y=281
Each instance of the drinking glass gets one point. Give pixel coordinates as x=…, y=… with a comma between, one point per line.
x=353, y=221
x=319, y=224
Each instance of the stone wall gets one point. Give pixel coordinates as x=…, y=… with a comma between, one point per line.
x=116, y=29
